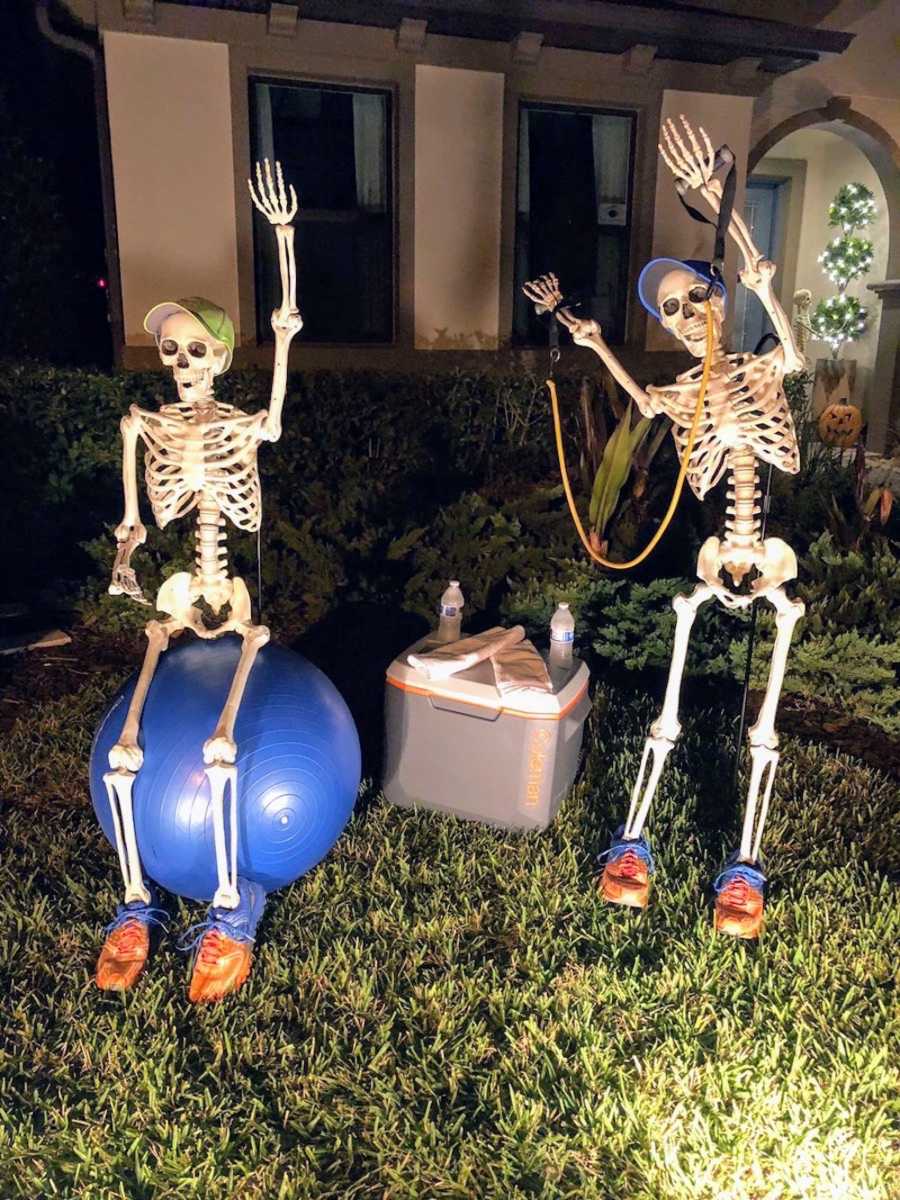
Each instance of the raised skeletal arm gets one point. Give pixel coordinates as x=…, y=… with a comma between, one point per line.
x=279, y=207
x=545, y=293
x=130, y=533
x=695, y=165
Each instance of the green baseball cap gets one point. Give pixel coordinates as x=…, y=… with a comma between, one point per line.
x=214, y=319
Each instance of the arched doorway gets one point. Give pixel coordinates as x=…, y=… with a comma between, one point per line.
x=881, y=154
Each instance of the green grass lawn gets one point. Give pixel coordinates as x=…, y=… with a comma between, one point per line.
x=441, y=1010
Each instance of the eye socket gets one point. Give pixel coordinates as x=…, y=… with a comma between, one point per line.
x=670, y=307
x=196, y=349
x=168, y=346
x=697, y=295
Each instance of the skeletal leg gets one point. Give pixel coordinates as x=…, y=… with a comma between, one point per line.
x=665, y=730
x=220, y=753
x=125, y=760
x=628, y=861
x=762, y=736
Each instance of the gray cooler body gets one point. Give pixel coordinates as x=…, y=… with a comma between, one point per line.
x=453, y=745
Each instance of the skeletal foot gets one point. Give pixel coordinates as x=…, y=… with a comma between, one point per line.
x=126, y=756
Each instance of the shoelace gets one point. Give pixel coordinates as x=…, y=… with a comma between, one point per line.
x=744, y=877
x=211, y=948
x=196, y=936
x=126, y=937
x=628, y=864
x=627, y=855
x=735, y=892
x=143, y=916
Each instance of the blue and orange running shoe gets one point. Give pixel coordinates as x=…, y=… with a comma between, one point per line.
x=740, y=898
x=223, y=945
x=627, y=869
x=127, y=947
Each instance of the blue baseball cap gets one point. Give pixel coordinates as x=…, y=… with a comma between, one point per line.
x=655, y=270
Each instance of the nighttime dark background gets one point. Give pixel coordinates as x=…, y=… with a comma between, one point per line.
x=51, y=214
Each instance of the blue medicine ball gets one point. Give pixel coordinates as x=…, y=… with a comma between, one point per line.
x=298, y=766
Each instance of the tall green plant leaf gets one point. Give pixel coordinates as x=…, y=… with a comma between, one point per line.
x=618, y=458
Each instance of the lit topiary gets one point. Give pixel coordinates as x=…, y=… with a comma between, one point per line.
x=842, y=318
x=837, y=320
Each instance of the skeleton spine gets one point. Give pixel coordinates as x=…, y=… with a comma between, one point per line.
x=212, y=555
x=742, y=528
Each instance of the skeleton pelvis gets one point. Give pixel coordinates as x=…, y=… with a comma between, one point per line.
x=187, y=598
x=773, y=559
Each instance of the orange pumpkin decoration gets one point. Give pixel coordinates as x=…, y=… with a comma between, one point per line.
x=839, y=425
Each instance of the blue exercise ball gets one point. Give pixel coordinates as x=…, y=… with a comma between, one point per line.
x=298, y=766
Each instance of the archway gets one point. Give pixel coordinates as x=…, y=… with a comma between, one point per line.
x=883, y=154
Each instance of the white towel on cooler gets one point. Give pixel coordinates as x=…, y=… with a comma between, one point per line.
x=454, y=657
x=520, y=668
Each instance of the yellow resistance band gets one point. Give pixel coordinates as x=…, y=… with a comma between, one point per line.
x=679, y=485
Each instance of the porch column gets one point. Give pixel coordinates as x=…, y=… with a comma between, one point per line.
x=884, y=389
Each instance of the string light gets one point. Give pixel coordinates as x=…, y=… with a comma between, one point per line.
x=842, y=318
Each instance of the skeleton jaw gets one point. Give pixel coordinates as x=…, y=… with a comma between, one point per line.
x=194, y=384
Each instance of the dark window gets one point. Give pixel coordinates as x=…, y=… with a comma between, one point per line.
x=334, y=146
x=573, y=212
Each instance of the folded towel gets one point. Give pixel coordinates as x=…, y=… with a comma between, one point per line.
x=520, y=668
x=454, y=657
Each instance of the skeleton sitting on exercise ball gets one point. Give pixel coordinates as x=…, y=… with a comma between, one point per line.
x=199, y=454
x=744, y=418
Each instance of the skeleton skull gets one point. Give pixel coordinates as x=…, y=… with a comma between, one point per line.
x=681, y=301
x=194, y=355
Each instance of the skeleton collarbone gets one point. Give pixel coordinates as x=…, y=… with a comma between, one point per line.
x=195, y=451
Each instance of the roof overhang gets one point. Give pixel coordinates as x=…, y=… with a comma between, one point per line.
x=706, y=31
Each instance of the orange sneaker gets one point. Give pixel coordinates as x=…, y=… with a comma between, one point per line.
x=127, y=947
x=221, y=965
x=225, y=946
x=626, y=875
x=740, y=899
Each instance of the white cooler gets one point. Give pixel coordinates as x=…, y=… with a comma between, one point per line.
x=455, y=746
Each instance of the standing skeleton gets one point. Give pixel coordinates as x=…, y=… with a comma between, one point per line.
x=745, y=418
x=198, y=454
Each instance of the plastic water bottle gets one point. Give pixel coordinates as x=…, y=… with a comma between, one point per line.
x=450, y=625
x=562, y=637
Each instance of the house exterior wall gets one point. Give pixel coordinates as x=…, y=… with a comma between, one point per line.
x=428, y=299
x=675, y=233
x=473, y=306
x=170, y=129
x=458, y=188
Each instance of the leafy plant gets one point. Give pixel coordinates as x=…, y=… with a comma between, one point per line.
x=841, y=318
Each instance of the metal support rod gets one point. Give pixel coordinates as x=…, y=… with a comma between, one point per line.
x=751, y=639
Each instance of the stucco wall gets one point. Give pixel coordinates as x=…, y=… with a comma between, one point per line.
x=170, y=128
x=830, y=162
x=458, y=190
x=867, y=73
x=675, y=234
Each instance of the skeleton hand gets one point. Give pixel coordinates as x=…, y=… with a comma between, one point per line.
x=270, y=196
x=546, y=295
x=759, y=276
x=124, y=581
x=695, y=166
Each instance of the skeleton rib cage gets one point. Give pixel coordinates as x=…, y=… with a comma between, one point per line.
x=214, y=459
x=745, y=408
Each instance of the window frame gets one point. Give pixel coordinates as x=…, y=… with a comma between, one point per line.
x=262, y=327
x=583, y=108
